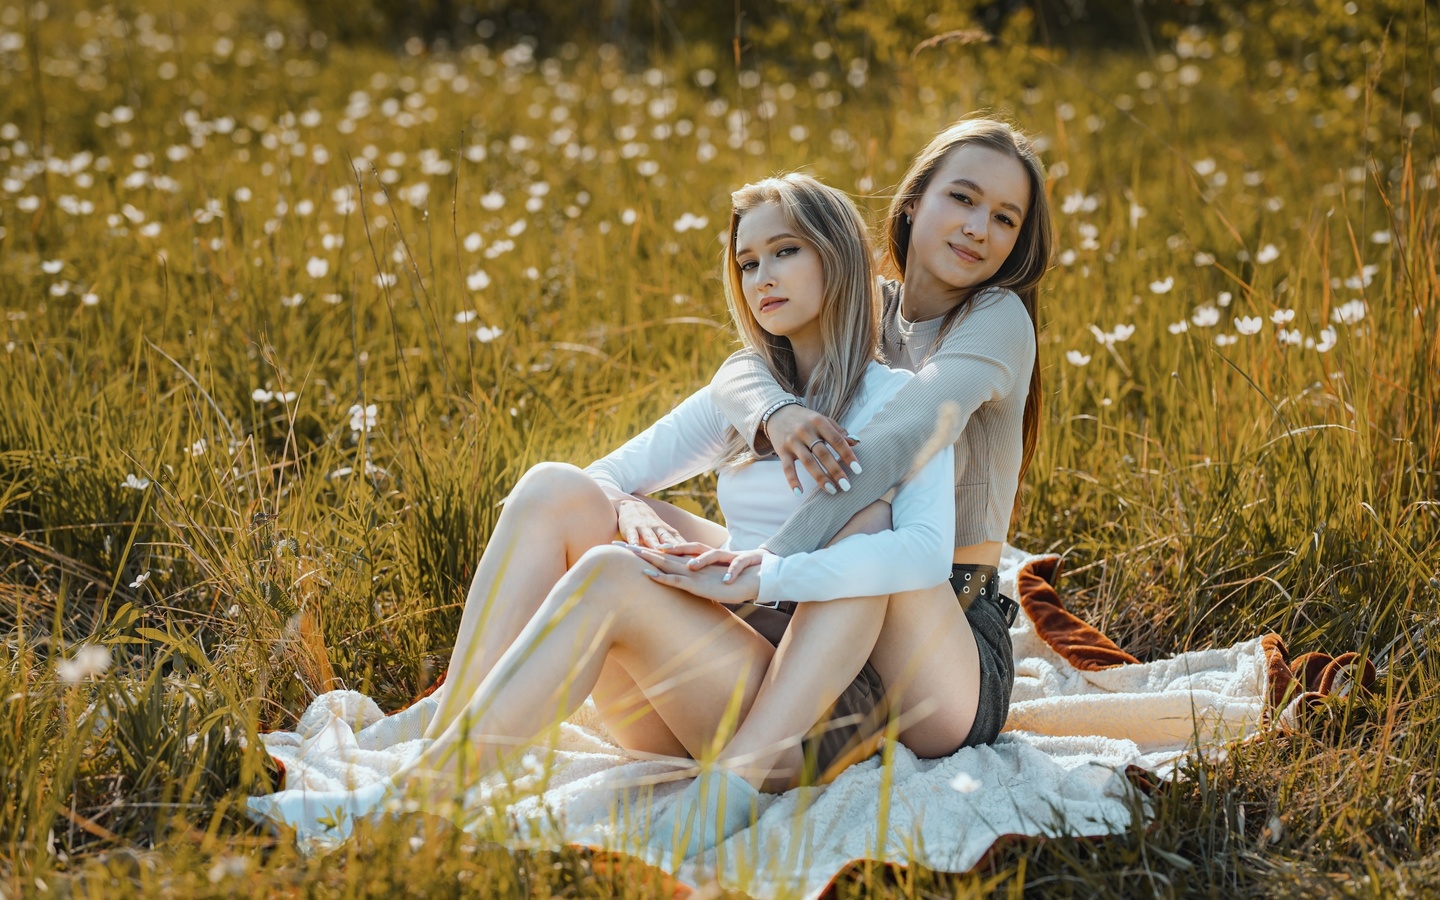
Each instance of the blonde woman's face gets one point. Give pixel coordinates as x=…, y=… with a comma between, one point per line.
x=970, y=216
x=780, y=274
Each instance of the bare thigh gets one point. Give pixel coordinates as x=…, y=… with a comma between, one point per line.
x=692, y=661
x=628, y=715
x=928, y=660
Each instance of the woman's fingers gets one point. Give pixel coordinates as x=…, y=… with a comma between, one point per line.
x=840, y=444
x=740, y=564
x=710, y=558
x=660, y=561
x=686, y=548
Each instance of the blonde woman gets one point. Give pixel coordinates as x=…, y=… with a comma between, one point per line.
x=968, y=236
x=557, y=611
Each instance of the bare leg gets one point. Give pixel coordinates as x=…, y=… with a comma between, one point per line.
x=927, y=657
x=807, y=674
x=697, y=663
x=553, y=516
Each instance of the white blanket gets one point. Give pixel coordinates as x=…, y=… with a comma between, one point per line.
x=1059, y=769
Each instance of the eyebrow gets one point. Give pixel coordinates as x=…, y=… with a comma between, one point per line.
x=741, y=251
x=965, y=182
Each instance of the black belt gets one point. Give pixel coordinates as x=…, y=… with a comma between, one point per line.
x=973, y=583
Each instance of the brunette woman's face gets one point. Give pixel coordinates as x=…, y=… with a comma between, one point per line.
x=780, y=274
x=969, y=217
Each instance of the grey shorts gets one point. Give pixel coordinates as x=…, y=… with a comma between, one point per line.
x=990, y=614
x=851, y=729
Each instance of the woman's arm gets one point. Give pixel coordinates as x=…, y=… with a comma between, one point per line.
x=915, y=553
x=743, y=389
x=683, y=443
x=746, y=393
x=986, y=356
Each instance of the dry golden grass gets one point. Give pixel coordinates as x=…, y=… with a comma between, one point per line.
x=161, y=275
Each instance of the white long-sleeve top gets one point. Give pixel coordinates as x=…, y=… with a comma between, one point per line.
x=756, y=501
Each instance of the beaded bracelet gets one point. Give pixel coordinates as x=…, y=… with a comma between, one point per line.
x=772, y=410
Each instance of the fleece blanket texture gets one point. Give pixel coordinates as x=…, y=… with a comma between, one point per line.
x=1084, y=716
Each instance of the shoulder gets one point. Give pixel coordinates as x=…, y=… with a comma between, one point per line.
x=997, y=318
x=890, y=291
x=1001, y=305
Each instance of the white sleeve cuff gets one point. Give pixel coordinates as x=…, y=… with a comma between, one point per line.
x=769, y=575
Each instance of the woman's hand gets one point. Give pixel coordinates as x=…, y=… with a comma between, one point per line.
x=817, y=442
x=639, y=524
x=711, y=582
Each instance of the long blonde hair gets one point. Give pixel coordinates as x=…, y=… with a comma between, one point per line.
x=1029, y=259
x=849, y=311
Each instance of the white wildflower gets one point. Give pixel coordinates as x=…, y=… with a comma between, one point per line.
x=1348, y=313
x=90, y=661
x=1205, y=316
x=362, y=418
x=689, y=222
x=965, y=783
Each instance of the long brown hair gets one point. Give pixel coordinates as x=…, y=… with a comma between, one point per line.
x=1029, y=259
x=849, y=311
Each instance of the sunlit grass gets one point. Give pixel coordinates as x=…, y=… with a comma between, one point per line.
x=284, y=322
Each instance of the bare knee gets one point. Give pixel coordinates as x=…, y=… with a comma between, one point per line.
x=550, y=482
x=561, y=494
x=873, y=519
x=606, y=575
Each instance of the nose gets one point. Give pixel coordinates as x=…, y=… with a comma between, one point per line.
x=764, y=277
x=977, y=225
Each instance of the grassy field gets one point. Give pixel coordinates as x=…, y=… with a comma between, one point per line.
x=283, y=321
